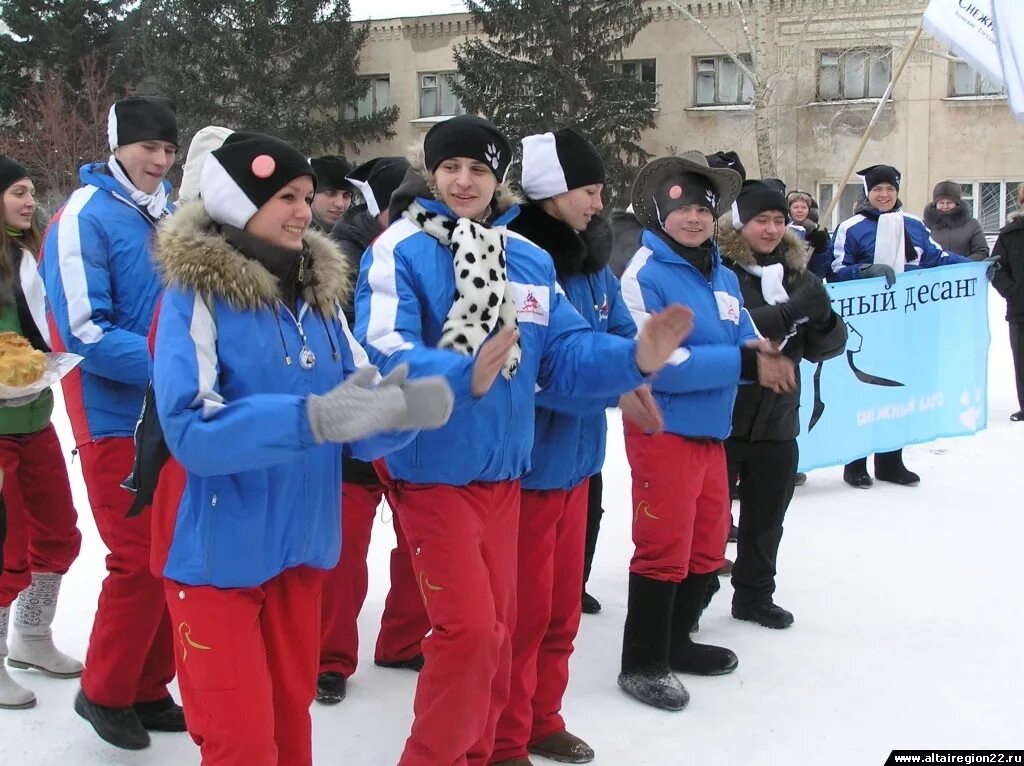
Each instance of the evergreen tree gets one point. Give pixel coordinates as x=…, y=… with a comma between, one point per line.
x=287, y=68
x=56, y=36
x=548, y=64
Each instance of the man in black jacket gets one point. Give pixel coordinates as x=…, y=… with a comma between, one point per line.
x=404, y=622
x=1008, y=279
x=790, y=307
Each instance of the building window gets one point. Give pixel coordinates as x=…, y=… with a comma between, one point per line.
x=853, y=74
x=376, y=99
x=965, y=81
x=990, y=202
x=436, y=96
x=718, y=81
x=641, y=70
x=851, y=195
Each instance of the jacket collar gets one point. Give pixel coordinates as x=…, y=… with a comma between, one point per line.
x=792, y=251
x=96, y=174
x=663, y=252
x=193, y=254
x=573, y=252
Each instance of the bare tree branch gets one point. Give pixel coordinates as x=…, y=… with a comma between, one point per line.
x=743, y=23
x=717, y=41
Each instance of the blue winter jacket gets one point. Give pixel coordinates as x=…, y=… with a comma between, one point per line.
x=406, y=287
x=102, y=289
x=697, y=388
x=261, y=494
x=853, y=244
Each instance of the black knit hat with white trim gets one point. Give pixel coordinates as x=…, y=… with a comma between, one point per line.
x=557, y=162
x=757, y=197
x=377, y=180
x=331, y=171
x=142, y=118
x=468, y=136
x=880, y=174
x=11, y=172
x=241, y=176
x=729, y=160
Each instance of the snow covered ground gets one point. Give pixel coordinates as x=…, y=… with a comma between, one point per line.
x=908, y=632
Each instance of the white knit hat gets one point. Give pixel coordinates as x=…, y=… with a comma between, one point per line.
x=205, y=141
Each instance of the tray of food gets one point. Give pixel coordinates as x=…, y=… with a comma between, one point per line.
x=24, y=371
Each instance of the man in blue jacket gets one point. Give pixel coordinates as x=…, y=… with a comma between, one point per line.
x=102, y=290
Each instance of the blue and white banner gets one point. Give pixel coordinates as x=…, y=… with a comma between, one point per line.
x=915, y=368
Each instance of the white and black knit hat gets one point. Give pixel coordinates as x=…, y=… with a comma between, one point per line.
x=142, y=118
x=377, y=181
x=557, y=162
x=468, y=136
x=249, y=169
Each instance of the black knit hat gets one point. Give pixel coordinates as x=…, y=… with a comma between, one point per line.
x=377, y=181
x=241, y=176
x=668, y=183
x=557, y=162
x=331, y=171
x=879, y=174
x=10, y=173
x=468, y=136
x=947, y=190
x=729, y=160
x=755, y=198
x=142, y=118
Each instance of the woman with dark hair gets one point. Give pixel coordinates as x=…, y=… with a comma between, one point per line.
x=42, y=535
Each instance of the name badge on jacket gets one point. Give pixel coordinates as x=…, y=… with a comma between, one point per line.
x=728, y=307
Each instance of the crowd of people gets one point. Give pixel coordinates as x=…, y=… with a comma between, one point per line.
x=293, y=341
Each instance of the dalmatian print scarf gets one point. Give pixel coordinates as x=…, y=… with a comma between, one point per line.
x=484, y=302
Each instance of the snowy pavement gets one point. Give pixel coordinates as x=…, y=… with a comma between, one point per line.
x=907, y=635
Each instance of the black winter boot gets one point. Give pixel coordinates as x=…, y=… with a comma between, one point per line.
x=413, y=663
x=686, y=656
x=161, y=715
x=889, y=467
x=330, y=688
x=645, y=645
x=856, y=474
x=120, y=726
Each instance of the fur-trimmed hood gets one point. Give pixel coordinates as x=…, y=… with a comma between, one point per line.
x=733, y=249
x=192, y=253
x=573, y=252
x=954, y=219
x=419, y=182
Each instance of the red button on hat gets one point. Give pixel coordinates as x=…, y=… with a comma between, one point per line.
x=676, y=191
x=263, y=166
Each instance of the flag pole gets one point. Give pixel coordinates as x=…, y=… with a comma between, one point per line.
x=904, y=58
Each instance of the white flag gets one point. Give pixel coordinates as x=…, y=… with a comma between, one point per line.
x=968, y=30
x=1009, y=23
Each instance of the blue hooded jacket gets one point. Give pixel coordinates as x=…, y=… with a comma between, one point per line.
x=406, y=288
x=697, y=388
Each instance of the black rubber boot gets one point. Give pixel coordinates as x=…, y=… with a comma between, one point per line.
x=645, y=643
x=767, y=614
x=161, y=715
x=589, y=604
x=856, y=474
x=413, y=663
x=330, y=688
x=685, y=656
x=889, y=467
x=120, y=726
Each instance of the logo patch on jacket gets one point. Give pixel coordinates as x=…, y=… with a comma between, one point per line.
x=602, y=310
x=533, y=302
x=728, y=307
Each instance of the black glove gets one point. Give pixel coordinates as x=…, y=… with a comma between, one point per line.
x=811, y=300
x=818, y=239
x=992, y=266
x=878, y=270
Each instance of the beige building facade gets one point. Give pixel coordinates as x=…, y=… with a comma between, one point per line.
x=830, y=60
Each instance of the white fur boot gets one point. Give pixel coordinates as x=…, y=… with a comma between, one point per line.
x=13, y=696
x=31, y=639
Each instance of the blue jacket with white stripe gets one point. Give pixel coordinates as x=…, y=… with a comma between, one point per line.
x=853, y=244
x=406, y=287
x=261, y=494
x=102, y=290
x=697, y=388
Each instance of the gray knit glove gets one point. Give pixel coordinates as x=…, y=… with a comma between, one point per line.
x=356, y=409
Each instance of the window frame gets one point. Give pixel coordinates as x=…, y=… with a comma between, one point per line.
x=870, y=53
x=973, y=200
x=979, y=78
x=442, y=88
x=744, y=84
x=350, y=111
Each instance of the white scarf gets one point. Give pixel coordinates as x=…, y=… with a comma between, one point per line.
x=772, y=289
x=890, y=242
x=154, y=204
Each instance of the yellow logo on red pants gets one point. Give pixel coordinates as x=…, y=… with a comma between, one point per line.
x=426, y=586
x=645, y=508
x=185, y=636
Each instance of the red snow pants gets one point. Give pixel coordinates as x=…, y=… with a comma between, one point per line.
x=130, y=657
x=552, y=529
x=247, y=660
x=404, y=622
x=42, y=535
x=463, y=543
x=680, y=505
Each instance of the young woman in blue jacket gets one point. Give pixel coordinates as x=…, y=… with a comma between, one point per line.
x=260, y=389
x=680, y=491
x=450, y=290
